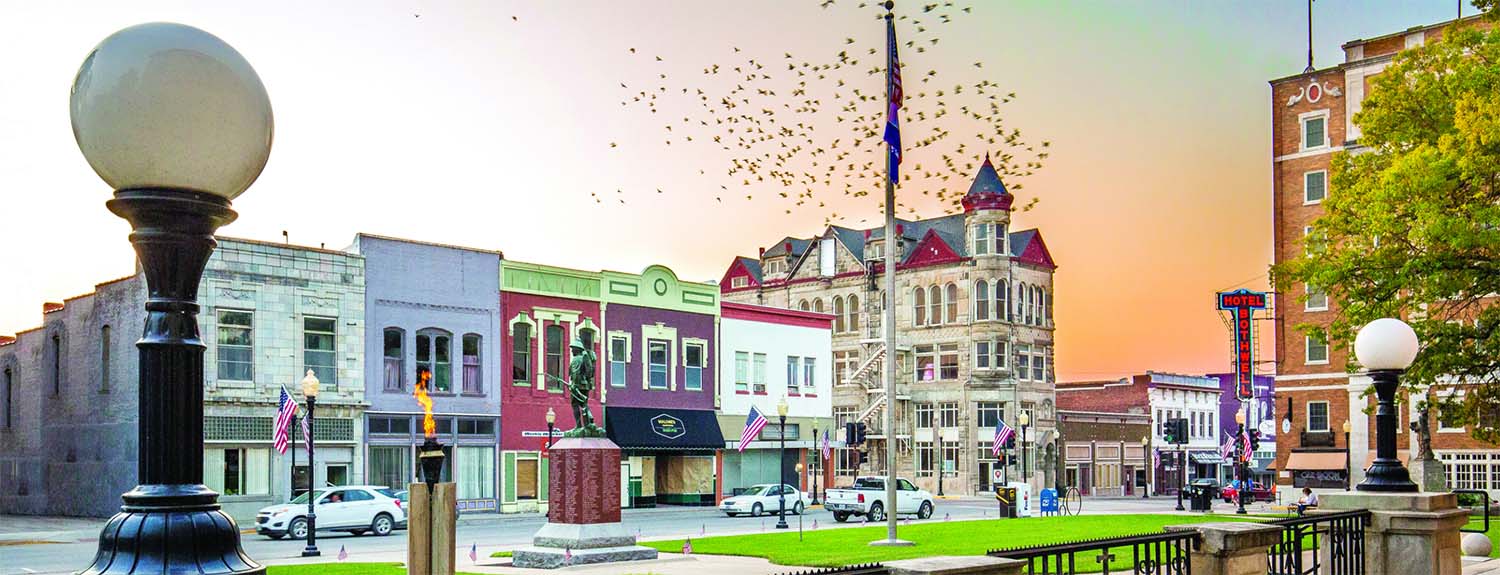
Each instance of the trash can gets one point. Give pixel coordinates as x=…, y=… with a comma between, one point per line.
x=1006, y=496
x=1202, y=497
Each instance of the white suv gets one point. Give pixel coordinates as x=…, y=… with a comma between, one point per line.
x=354, y=508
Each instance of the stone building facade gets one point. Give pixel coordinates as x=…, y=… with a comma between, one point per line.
x=974, y=335
x=1312, y=117
x=1105, y=453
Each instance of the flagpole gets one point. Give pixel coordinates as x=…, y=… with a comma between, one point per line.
x=889, y=302
x=291, y=482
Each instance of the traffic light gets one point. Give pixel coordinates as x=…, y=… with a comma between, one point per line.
x=1181, y=434
x=1011, y=443
x=854, y=433
x=1254, y=440
x=1010, y=460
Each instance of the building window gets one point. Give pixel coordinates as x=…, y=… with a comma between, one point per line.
x=982, y=239
x=318, y=348
x=1023, y=361
x=1314, y=187
x=793, y=369
x=1021, y=308
x=742, y=372
x=804, y=306
x=434, y=355
x=556, y=364
x=950, y=457
x=1036, y=305
x=853, y=309
x=759, y=374
x=926, y=364
x=948, y=360
x=934, y=305
x=919, y=307
x=1317, y=350
x=656, y=363
x=981, y=300
x=1047, y=309
x=1317, y=416
x=925, y=459
x=619, y=356
x=948, y=414
x=476, y=472
x=846, y=463
x=104, y=363
x=8, y=398
x=1002, y=239
x=981, y=355
x=845, y=363
x=237, y=471
x=952, y=315
x=838, y=314
x=739, y=282
x=924, y=414
x=818, y=305
x=390, y=465
x=520, y=354
x=1317, y=299
x=395, y=358
x=472, y=374
x=987, y=414
x=775, y=266
x=693, y=363
x=236, y=349
x=1314, y=132
x=1039, y=364
x=809, y=376
x=875, y=250
x=1002, y=300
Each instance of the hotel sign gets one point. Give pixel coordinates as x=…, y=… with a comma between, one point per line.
x=1242, y=305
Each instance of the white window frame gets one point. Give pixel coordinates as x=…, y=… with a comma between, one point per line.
x=611, y=360
x=739, y=282
x=758, y=373
x=667, y=350
x=982, y=245
x=1327, y=415
x=702, y=345
x=793, y=375
x=984, y=358
x=742, y=385
x=1307, y=352
x=1308, y=305
x=1302, y=120
x=1305, y=177
x=809, y=376
x=219, y=324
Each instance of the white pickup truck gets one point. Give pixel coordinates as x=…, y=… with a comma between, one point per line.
x=867, y=498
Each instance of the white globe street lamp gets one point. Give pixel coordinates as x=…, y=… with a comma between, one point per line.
x=1386, y=347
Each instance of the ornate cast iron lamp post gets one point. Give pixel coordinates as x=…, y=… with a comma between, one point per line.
x=179, y=124
x=1145, y=449
x=781, y=409
x=310, y=391
x=1348, y=465
x=1025, y=420
x=1386, y=347
x=1240, y=471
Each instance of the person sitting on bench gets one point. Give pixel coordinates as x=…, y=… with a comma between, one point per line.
x=1309, y=499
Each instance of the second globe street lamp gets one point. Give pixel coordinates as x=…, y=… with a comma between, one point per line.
x=781, y=409
x=310, y=391
x=1386, y=347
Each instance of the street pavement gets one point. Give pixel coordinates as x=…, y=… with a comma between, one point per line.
x=42, y=545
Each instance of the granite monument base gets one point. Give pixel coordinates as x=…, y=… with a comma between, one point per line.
x=583, y=518
x=1408, y=532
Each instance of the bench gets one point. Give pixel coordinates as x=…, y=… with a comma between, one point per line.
x=1290, y=509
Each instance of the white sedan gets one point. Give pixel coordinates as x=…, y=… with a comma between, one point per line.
x=765, y=498
x=357, y=509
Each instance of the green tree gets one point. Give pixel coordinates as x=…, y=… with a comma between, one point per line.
x=1412, y=226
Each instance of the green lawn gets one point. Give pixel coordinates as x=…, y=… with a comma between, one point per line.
x=837, y=547
x=341, y=569
x=500, y=554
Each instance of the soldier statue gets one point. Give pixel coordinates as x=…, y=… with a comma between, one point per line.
x=581, y=385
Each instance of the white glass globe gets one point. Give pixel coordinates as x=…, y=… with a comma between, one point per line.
x=1386, y=343
x=165, y=105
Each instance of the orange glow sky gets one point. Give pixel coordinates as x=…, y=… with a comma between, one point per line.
x=453, y=122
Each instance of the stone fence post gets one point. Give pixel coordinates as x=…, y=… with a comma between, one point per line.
x=1231, y=548
x=1408, y=532
x=968, y=565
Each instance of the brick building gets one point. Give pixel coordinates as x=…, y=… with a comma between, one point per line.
x=1158, y=397
x=1104, y=452
x=974, y=334
x=1312, y=118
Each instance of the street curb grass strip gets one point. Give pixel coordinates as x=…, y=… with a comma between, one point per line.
x=860, y=569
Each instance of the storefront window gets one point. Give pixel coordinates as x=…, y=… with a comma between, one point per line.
x=619, y=353
x=476, y=472
x=237, y=471
x=389, y=466
x=520, y=354
x=526, y=479
x=693, y=366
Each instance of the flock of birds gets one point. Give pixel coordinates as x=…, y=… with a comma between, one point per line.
x=800, y=128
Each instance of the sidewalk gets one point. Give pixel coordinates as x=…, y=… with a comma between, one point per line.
x=35, y=528
x=665, y=564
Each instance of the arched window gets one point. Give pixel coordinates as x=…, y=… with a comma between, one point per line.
x=520, y=353
x=853, y=309
x=838, y=314
x=473, y=383
x=818, y=305
x=804, y=306
x=556, y=364
x=952, y=315
x=1020, y=302
x=435, y=354
x=919, y=307
x=104, y=343
x=395, y=358
x=1049, y=306
x=1002, y=300
x=981, y=300
x=1036, y=305
x=56, y=364
x=935, y=305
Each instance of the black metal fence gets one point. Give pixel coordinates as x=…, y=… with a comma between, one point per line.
x=1325, y=543
x=1475, y=498
x=1150, y=554
x=864, y=569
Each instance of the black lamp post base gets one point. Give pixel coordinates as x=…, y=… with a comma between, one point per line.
x=171, y=529
x=1387, y=477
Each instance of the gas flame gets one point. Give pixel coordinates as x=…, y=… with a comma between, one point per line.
x=429, y=427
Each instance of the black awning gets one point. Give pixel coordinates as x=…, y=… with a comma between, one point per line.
x=667, y=429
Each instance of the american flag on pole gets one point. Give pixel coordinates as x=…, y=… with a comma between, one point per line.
x=474, y=553
x=286, y=409
x=893, y=91
x=1227, y=450
x=753, y=424
x=827, y=448
x=343, y=553
x=1245, y=454
x=1003, y=435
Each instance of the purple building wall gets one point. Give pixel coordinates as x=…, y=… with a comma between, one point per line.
x=629, y=318
x=1229, y=403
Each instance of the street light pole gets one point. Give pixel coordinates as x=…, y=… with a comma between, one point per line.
x=781, y=409
x=1386, y=347
x=310, y=391
x=1145, y=451
x=178, y=124
x=1025, y=421
x=1181, y=476
x=1348, y=465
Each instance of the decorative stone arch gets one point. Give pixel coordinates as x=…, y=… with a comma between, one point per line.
x=1051, y=466
x=55, y=358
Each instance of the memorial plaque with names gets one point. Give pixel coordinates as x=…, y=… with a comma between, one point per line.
x=584, y=481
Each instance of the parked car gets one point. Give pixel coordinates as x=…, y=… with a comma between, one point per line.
x=765, y=498
x=357, y=509
x=866, y=498
x=1258, y=492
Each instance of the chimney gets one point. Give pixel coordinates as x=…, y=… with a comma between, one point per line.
x=867, y=234
x=763, y=252
x=900, y=229
x=50, y=307
x=788, y=247
x=7, y=339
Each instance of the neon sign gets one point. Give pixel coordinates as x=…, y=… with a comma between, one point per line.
x=1242, y=304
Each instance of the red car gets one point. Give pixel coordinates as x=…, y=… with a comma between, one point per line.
x=1258, y=492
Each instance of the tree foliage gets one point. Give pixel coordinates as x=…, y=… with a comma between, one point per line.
x=1412, y=223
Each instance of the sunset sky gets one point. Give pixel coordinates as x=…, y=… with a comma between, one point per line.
x=490, y=124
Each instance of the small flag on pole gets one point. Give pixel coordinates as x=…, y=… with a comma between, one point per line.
x=474, y=553
x=687, y=546
x=947, y=517
x=1003, y=434
x=815, y=524
x=827, y=448
x=567, y=554
x=893, y=101
x=703, y=530
x=753, y=424
x=343, y=553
